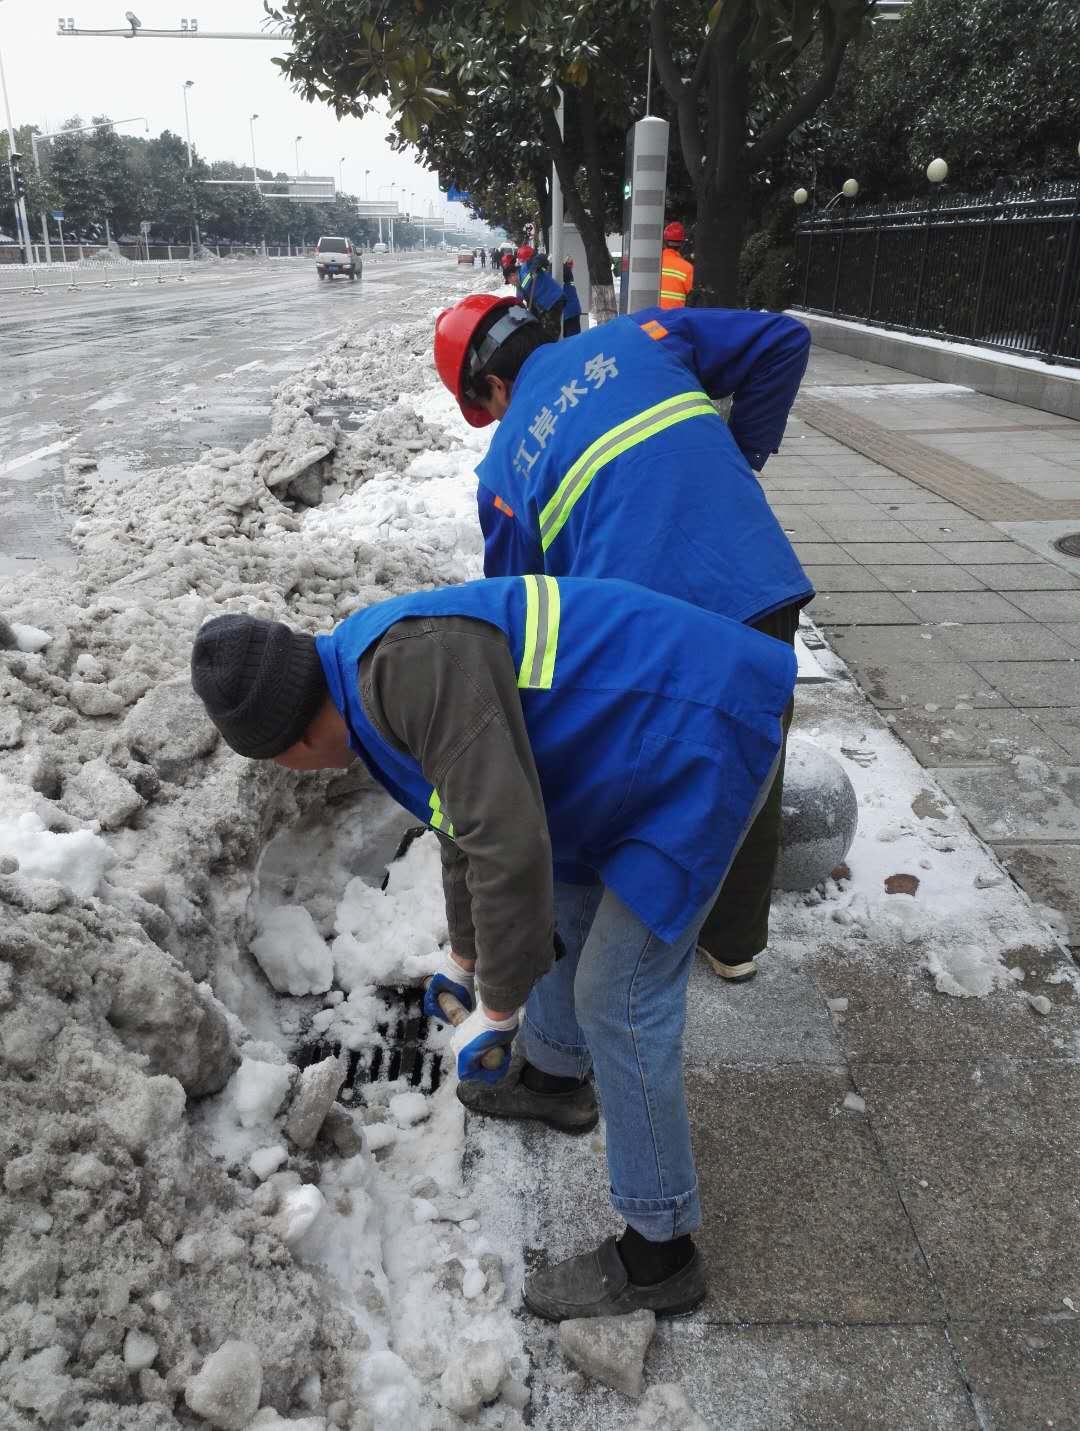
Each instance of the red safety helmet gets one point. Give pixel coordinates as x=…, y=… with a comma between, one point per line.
x=675, y=233
x=525, y=252
x=455, y=356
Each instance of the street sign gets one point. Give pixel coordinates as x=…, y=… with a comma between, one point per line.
x=455, y=195
x=144, y=228
x=312, y=187
x=58, y=215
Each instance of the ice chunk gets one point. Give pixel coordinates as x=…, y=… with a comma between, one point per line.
x=140, y=1350
x=226, y=1391
x=313, y=1100
x=291, y=952
x=409, y=1108
x=75, y=860
x=265, y=1161
x=472, y=1377
x=259, y=1089
x=299, y=1209
x=610, y=1349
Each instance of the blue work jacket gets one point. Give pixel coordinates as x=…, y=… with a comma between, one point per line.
x=537, y=288
x=612, y=461
x=654, y=727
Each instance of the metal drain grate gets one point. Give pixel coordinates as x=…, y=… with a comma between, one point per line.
x=400, y=1052
x=1068, y=545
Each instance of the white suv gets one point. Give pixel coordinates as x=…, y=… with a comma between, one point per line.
x=337, y=255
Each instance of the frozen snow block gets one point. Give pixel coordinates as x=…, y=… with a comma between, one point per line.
x=819, y=816
x=169, y=728
x=97, y=792
x=226, y=1391
x=610, y=1349
x=316, y=1090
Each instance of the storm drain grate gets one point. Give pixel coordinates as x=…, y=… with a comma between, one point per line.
x=1068, y=545
x=400, y=1050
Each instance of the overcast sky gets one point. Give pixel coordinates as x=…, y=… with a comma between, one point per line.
x=50, y=78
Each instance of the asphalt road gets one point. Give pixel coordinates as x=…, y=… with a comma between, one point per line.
x=146, y=377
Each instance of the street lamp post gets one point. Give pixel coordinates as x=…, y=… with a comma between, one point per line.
x=21, y=222
x=299, y=141
x=254, y=168
x=341, y=174
x=195, y=243
x=367, y=176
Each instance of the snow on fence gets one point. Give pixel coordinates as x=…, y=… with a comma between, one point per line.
x=88, y=273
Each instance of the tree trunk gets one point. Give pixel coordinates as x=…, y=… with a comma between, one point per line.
x=590, y=227
x=723, y=190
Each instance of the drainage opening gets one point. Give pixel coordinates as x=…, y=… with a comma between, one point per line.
x=1068, y=545
x=399, y=1049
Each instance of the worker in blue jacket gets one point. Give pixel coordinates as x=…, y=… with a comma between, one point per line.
x=571, y=318
x=590, y=754
x=539, y=292
x=610, y=460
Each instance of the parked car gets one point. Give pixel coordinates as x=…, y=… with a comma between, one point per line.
x=466, y=255
x=334, y=255
x=380, y=247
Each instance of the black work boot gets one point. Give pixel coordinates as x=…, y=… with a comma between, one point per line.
x=571, y=1111
x=597, y=1284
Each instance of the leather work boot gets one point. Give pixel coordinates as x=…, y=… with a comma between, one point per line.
x=730, y=973
x=572, y=1112
x=597, y=1284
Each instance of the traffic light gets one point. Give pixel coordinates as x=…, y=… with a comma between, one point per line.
x=18, y=179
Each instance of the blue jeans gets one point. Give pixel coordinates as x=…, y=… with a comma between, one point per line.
x=617, y=1003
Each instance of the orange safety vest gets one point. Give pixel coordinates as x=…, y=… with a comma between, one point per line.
x=676, y=279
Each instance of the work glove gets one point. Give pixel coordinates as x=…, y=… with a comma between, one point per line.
x=474, y=1037
x=449, y=978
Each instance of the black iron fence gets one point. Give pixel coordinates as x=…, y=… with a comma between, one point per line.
x=1001, y=270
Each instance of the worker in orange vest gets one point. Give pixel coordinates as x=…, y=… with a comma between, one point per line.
x=676, y=275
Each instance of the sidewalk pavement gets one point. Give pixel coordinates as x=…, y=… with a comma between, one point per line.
x=916, y=1268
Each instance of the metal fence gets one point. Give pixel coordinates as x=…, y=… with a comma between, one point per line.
x=1000, y=270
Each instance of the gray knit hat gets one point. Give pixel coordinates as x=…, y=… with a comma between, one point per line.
x=261, y=682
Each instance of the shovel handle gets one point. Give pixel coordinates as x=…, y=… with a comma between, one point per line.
x=455, y=1012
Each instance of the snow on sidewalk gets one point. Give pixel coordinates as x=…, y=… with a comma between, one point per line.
x=177, y=925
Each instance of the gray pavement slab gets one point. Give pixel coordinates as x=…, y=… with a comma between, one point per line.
x=893, y=553
x=1007, y=803
x=1009, y=641
x=927, y=578
x=1048, y=605
x=846, y=531
x=962, y=606
x=802, y=528
x=822, y=553
x=953, y=529
x=1033, y=684
x=803, y=1222
x=889, y=644
x=1040, y=576
x=1051, y=876
x=843, y=578
x=981, y=553
x=896, y=683
x=777, y=1018
x=1062, y=725
x=973, y=737
x=1067, y=631
x=861, y=608
x=956, y=1137
x=1022, y=1374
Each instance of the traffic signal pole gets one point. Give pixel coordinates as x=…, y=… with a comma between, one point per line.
x=15, y=177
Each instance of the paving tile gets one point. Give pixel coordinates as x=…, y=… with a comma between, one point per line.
x=1006, y=804
x=1067, y=631
x=803, y=529
x=1030, y=685
x=954, y=529
x=996, y=1146
x=1025, y=576
x=843, y=578
x=895, y=1015
x=926, y=578
x=964, y=606
x=868, y=608
x=893, y=553
x=907, y=683
x=936, y=510
x=822, y=553
x=810, y=497
x=974, y=737
x=1008, y=641
x=843, y=530
x=1051, y=875
x=891, y=644
x=1049, y=605
x=1062, y=725
x=980, y=553
x=887, y=487
x=1023, y=1375
x=802, y=1220
x=778, y=1018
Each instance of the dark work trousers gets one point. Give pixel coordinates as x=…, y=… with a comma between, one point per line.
x=737, y=926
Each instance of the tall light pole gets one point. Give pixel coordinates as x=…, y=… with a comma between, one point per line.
x=341, y=173
x=254, y=169
x=196, y=236
x=21, y=221
x=367, y=176
x=299, y=141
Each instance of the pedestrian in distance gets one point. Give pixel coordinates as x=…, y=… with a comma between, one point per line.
x=590, y=754
x=676, y=274
x=483, y=258
x=571, y=323
x=611, y=460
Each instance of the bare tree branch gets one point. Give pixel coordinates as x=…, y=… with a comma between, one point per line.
x=683, y=94
x=803, y=107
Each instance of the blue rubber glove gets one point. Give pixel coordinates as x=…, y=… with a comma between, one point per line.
x=449, y=978
x=473, y=1038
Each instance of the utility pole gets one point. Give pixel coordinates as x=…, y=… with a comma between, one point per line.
x=299, y=141
x=18, y=198
x=254, y=170
x=196, y=238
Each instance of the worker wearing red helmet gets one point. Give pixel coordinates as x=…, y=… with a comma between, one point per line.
x=611, y=461
x=538, y=290
x=676, y=275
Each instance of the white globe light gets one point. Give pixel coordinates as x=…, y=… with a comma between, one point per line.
x=800, y=196
x=937, y=171
x=851, y=187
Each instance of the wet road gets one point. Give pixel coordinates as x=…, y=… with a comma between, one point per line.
x=146, y=377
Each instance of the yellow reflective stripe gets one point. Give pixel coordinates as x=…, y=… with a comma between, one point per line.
x=542, y=612
x=673, y=293
x=438, y=818
x=673, y=273
x=612, y=444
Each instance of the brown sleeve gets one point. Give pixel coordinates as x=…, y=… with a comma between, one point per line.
x=445, y=690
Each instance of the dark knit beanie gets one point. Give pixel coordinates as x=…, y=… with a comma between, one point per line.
x=261, y=682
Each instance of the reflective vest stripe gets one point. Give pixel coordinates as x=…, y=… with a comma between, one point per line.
x=526, y=280
x=542, y=609
x=674, y=273
x=610, y=445
x=438, y=818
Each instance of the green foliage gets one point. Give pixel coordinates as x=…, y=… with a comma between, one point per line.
x=766, y=271
x=993, y=86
